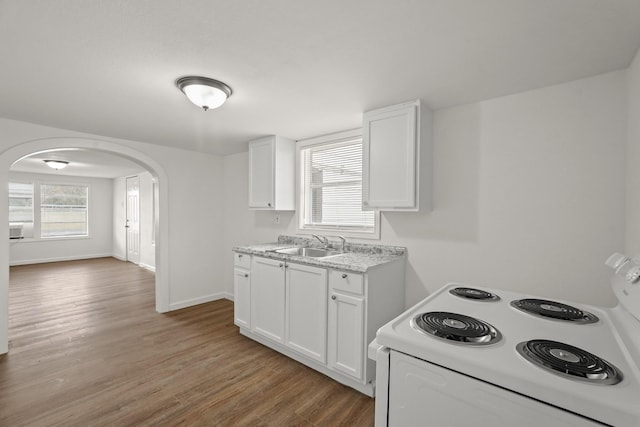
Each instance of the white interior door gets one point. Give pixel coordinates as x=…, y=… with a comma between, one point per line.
x=132, y=225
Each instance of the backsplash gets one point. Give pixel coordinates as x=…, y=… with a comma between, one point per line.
x=349, y=247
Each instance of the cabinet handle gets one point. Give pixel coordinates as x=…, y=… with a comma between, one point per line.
x=281, y=265
x=333, y=297
x=246, y=275
x=269, y=204
x=239, y=255
x=344, y=276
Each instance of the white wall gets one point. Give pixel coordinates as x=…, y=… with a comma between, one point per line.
x=528, y=196
x=632, y=246
x=147, y=246
x=98, y=244
x=119, y=218
x=244, y=226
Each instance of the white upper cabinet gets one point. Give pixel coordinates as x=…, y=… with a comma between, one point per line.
x=272, y=174
x=393, y=138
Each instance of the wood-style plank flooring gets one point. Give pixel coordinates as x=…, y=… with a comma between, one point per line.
x=87, y=348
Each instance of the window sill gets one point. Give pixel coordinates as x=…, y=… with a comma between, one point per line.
x=47, y=239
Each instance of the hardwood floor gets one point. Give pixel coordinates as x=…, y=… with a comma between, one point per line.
x=87, y=348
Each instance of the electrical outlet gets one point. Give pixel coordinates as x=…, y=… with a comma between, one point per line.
x=277, y=219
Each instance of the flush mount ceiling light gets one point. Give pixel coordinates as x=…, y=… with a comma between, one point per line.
x=56, y=164
x=204, y=92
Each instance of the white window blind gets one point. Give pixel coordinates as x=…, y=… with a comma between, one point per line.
x=332, y=179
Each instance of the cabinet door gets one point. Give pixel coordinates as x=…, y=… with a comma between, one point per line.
x=262, y=173
x=306, y=306
x=242, y=298
x=267, y=298
x=390, y=152
x=346, y=335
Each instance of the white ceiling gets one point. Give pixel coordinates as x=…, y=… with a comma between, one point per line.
x=92, y=163
x=297, y=68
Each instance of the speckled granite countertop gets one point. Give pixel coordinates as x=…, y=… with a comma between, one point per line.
x=358, y=258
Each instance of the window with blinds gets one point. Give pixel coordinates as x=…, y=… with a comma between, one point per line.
x=20, y=202
x=332, y=188
x=64, y=210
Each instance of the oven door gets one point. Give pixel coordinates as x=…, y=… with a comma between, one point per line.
x=423, y=394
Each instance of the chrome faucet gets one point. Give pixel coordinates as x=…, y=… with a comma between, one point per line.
x=323, y=240
x=343, y=242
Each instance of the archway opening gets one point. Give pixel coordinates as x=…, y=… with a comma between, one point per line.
x=52, y=145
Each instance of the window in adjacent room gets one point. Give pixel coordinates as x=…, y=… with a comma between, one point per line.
x=331, y=187
x=64, y=210
x=20, y=210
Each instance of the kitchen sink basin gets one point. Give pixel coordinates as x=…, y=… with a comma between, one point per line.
x=310, y=252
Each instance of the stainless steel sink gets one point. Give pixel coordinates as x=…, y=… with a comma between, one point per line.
x=309, y=252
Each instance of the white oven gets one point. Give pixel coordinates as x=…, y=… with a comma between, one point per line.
x=471, y=356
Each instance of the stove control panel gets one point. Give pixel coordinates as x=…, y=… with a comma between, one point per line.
x=625, y=267
x=633, y=274
x=626, y=282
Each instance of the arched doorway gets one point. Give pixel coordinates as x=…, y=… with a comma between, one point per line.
x=15, y=153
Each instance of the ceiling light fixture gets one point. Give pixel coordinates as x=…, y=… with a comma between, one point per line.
x=204, y=92
x=56, y=164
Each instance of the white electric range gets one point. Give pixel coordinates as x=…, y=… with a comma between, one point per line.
x=471, y=356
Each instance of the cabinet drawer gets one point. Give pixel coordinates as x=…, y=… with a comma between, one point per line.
x=242, y=260
x=348, y=282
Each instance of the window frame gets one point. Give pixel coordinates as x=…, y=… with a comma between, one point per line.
x=67, y=184
x=302, y=228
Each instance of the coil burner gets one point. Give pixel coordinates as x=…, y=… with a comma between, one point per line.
x=569, y=361
x=474, y=294
x=554, y=310
x=455, y=327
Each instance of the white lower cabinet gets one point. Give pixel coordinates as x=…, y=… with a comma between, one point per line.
x=242, y=297
x=242, y=290
x=346, y=327
x=267, y=298
x=306, y=310
x=321, y=317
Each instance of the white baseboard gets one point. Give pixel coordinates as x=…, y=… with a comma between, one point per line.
x=142, y=264
x=147, y=267
x=58, y=259
x=201, y=300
